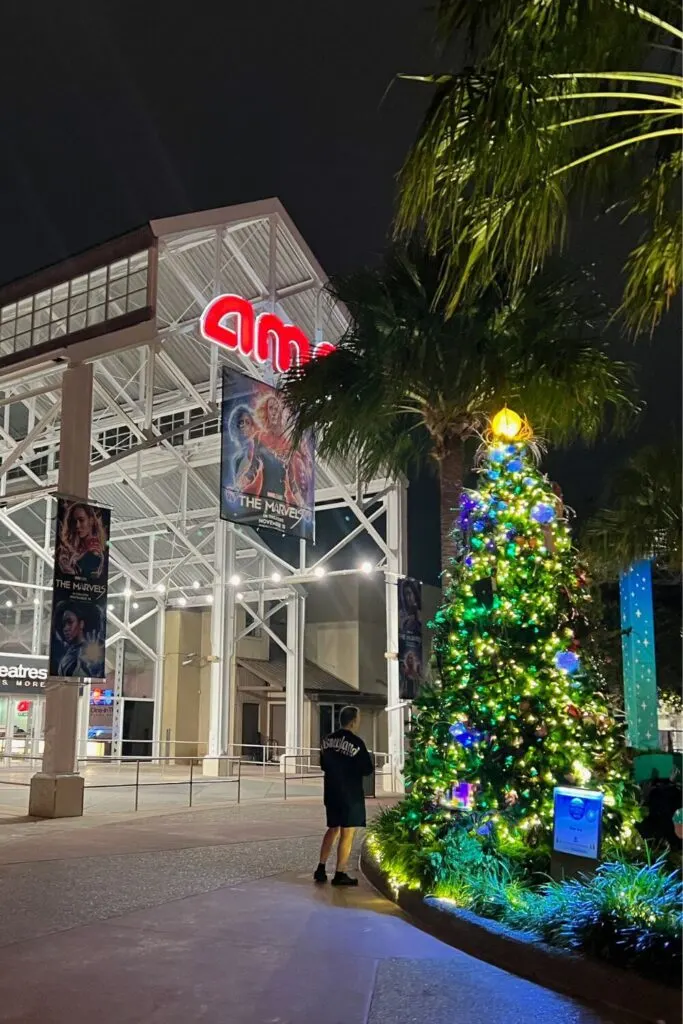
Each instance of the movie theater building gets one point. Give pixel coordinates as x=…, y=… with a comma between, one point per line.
x=218, y=629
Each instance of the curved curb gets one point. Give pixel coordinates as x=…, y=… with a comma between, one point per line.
x=518, y=953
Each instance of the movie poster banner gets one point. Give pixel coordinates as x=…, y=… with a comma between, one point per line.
x=265, y=482
x=78, y=629
x=409, y=638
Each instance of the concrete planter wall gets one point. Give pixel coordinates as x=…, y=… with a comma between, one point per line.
x=516, y=952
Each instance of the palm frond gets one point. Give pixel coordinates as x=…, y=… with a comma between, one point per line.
x=407, y=380
x=642, y=514
x=558, y=106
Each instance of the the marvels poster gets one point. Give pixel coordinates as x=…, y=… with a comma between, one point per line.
x=409, y=638
x=79, y=594
x=265, y=481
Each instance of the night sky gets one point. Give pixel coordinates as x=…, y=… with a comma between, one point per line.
x=117, y=113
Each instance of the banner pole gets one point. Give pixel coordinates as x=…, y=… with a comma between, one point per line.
x=57, y=790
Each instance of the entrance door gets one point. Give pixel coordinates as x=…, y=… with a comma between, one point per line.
x=20, y=726
x=250, y=732
x=138, y=722
x=276, y=730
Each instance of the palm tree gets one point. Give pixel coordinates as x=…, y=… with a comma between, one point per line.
x=642, y=514
x=561, y=103
x=408, y=383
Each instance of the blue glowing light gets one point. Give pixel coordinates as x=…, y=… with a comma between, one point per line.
x=515, y=465
x=493, y=474
x=496, y=455
x=461, y=734
x=638, y=655
x=542, y=513
x=567, y=661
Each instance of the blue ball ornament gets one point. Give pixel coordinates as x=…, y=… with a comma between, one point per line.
x=496, y=455
x=567, y=661
x=478, y=525
x=542, y=513
x=461, y=734
x=493, y=474
x=515, y=465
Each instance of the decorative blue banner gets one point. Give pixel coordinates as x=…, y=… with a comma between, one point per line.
x=638, y=656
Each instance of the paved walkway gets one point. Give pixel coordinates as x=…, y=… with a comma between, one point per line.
x=210, y=916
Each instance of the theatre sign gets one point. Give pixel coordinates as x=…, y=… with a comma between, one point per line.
x=22, y=674
x=232, y=322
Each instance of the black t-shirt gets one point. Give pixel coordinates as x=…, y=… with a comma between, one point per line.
x=344, y=758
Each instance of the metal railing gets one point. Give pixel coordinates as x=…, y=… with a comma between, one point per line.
x=129, y=772
x=136, y=784
x=305, y=770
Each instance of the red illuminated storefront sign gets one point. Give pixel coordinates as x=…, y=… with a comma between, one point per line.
x=265, y=338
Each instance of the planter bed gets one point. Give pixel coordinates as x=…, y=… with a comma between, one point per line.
x=521, y=954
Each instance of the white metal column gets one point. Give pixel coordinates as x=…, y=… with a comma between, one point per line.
x=83, y=720
x=117, y=713
x=223, y=651
x=159, y=663
x=294, y=684
x=57, y=791
x=396, y=512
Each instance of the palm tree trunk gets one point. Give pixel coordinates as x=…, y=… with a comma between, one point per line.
x=451, y=469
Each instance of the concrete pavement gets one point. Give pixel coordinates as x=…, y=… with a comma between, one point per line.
x=210, y=915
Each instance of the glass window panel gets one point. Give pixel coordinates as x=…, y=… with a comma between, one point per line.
x=136, y=301
x=96, y=278
x=117, y=288
x=95, y=297
x=96, y=315
x=137, y=281
x=79, y=285
x=118, y=270
x=58, y=329
x=77, y=321
x=78, y=302
x=41, y=317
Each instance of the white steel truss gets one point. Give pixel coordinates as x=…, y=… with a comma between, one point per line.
x=155, y=447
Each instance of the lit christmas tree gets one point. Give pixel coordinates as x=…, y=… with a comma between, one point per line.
x=516, y=707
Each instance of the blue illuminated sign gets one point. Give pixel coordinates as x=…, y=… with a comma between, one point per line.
x=578, y=820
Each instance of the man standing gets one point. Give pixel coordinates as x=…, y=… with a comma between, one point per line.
x=344, y=759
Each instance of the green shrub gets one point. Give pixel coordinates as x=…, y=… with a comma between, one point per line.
x=626, y=913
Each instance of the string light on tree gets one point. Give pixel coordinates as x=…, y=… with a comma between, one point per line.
x=515, y=710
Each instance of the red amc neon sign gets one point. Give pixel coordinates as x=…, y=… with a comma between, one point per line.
x=263, y=337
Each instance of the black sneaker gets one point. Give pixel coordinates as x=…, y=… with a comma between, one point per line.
x=341, y=878
x=320, y=875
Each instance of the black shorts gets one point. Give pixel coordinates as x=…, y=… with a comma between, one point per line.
x=345, y=815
